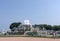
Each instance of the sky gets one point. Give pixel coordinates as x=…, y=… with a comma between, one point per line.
x=37, y=11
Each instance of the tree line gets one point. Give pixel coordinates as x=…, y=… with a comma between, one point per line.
x=47, y=27
x=16, y=27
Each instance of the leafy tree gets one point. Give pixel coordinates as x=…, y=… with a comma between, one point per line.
x=14, y=25
x=41, y=26
x=56, y=28
x=49, y=27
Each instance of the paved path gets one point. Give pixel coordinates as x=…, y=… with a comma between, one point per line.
x=26, y=39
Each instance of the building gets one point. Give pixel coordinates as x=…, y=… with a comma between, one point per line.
x=27, y=26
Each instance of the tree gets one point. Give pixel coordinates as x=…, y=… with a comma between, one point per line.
x=41, y=26
x=56, y=28
x=49, y=27
x=14, y=25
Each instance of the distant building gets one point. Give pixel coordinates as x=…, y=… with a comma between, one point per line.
x=27, y=26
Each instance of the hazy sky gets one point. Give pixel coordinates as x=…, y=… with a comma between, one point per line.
x=37, y=11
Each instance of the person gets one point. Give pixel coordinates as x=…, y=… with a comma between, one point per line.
x=54, y=34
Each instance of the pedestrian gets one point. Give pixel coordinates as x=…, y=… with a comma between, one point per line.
x=54, y=34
